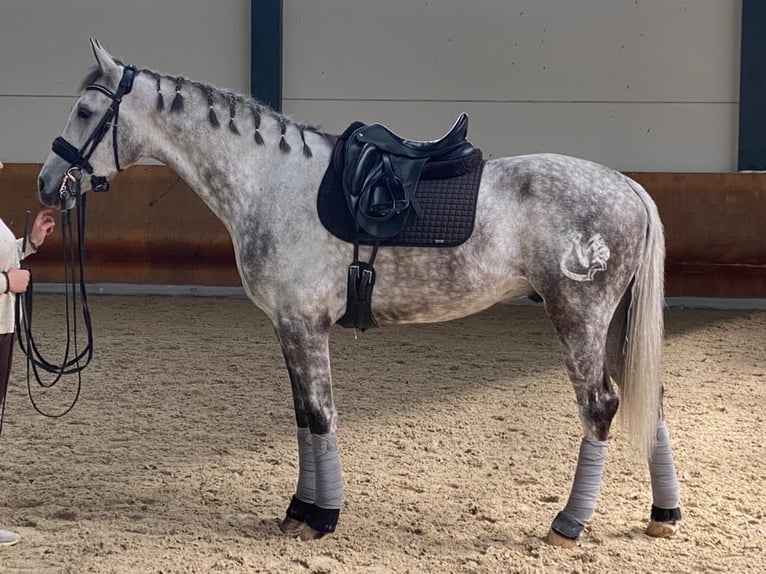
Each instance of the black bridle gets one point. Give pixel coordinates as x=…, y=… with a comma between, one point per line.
x=79, y=158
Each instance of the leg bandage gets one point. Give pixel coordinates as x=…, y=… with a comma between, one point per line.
x=329, y=479
x=665, y=490
x=306, y=489
x=587, y=480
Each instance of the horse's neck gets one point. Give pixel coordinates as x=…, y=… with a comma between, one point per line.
x=230, y=172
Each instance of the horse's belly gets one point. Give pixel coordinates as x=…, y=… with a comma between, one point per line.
x=431, y=303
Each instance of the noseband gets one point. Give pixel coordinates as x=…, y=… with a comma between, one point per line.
x=79, y=158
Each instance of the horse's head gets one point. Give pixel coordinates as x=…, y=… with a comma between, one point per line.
x=101, y=137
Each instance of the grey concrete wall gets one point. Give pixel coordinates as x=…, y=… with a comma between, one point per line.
x=45, y=53
x=635, y=84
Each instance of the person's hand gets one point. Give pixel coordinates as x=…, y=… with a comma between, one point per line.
x=18, y=280
x=42, y=227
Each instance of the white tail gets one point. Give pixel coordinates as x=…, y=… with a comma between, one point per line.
x=642, y=367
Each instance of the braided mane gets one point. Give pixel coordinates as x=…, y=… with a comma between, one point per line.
x=236, y=105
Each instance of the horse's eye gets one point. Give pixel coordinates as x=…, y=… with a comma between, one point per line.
x=84, y=113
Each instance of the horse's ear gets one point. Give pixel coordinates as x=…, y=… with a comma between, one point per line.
x=104, y=59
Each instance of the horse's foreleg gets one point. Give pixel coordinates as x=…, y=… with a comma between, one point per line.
x=598, y=402
x=315, y=506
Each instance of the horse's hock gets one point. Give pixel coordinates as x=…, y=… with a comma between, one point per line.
x=152, y=226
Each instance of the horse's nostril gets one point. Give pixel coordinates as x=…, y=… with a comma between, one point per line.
x=40, y=185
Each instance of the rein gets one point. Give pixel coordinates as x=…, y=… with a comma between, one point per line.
x=73, y=360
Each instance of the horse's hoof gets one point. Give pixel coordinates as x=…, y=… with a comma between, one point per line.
x=308, y=533
x=662, y=529
x=292, y=527
x=559, y=541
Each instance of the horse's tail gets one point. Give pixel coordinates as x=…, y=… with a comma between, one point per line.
x=641, y=367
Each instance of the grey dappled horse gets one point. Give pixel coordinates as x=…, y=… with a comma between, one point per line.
x=585, y=238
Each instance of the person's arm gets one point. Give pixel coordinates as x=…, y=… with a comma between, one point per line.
x=16, y=280
x=42, y=226
x=31, y=247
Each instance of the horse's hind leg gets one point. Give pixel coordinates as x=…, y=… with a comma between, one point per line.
x=583, y=336
x=665, y=512
x=315, y=506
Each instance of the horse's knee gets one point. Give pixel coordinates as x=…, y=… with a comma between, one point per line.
x=321, y=416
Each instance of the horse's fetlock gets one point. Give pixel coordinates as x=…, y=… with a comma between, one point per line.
x=298, y=509
x=567, y=526
x=323, y=520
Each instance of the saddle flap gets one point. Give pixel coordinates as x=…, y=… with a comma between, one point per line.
x=360, y=168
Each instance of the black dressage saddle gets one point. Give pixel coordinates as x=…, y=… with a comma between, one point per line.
x=380, y=173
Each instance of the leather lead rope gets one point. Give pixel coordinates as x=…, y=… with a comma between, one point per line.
x=73, y=361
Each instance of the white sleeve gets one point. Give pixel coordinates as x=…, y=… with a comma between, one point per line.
x=29, y=250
